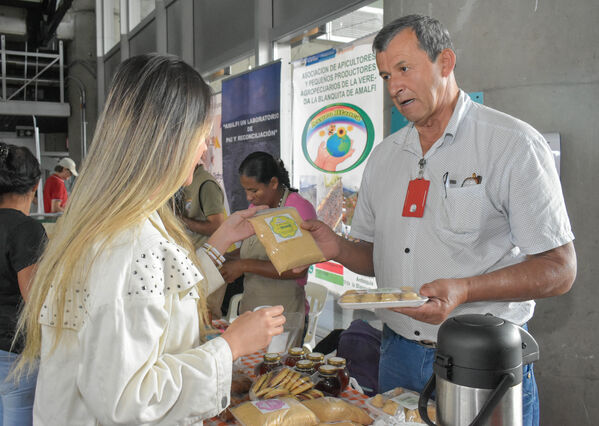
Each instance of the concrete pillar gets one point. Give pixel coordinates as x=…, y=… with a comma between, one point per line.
x=81, y=80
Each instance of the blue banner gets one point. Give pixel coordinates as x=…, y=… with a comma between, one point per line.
x=250, y=122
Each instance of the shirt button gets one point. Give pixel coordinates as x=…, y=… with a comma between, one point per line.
x=417, y=333
x=224, y=402
x=407, y=250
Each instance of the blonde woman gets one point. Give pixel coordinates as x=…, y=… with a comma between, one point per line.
x=117, y=303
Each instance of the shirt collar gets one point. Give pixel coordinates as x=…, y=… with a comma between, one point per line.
x=412, y=142
x=461, y=108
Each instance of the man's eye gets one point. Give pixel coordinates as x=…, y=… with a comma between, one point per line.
x=385, y=77
x=403, y=69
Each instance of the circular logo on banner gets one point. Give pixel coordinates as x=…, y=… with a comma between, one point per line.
x=337, y=138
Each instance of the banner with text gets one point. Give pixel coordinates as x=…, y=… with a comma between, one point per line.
x=250, y=122
x=337, y=120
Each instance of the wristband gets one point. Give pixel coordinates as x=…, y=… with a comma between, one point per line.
x=214, y=255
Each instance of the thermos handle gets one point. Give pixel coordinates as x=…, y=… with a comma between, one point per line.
x=494, y=398
x=530, y=347
x=425, y=395
x=486, y=409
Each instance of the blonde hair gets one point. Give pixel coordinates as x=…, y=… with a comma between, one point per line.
x=143, y=150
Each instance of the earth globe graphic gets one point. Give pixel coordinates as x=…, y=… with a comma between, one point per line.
x=339, y=143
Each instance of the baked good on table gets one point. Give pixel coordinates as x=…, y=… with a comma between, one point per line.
x=378, y=400
x=390, y=407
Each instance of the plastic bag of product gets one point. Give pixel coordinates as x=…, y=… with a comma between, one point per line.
x=240, y=388
x=274, y=412
x=287, y=245
x=399, y=406
x=330, y=409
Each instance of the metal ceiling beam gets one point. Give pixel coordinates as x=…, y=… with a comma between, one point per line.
x=45, y=109
x=48, y=29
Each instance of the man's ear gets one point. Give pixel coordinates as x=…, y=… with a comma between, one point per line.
x=447, y=60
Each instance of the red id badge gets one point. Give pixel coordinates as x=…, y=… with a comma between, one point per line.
x=416, y=198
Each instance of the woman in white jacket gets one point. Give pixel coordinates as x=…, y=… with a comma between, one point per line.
x=117, y=305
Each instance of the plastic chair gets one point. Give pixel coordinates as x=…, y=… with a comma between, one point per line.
x=233, y=311
x=317, y=296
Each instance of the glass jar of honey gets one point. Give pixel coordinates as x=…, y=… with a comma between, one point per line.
x=342, y=371
x=293, y=356
x=305, y=367
x=270, y=361
x=328, y=382
x=317, y=358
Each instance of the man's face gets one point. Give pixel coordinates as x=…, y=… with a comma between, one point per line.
x=413, y=81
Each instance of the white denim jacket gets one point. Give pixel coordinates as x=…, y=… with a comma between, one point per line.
x=131, y=353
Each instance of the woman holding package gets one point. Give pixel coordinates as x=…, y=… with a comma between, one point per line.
x=266, y=181
x=118, y=300
x=21, y=239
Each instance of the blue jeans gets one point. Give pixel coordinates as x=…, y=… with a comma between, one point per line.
x=16, y=401
x=407, y=364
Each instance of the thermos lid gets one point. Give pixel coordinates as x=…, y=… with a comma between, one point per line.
x=477, y=350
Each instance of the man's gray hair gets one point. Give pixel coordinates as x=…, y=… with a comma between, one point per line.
x=432, y=36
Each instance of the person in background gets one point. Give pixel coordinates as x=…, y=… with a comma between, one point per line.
x=464, y=204
x=203, y=211
x=117, y=323
x=55, y=191
x=21, y=239
x=203, y=206
x=266, y=181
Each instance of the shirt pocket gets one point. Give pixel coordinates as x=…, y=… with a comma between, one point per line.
x=461, y=212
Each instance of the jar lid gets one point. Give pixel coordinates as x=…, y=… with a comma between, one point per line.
x=315, y=356
x=327, y=370
x=304, y=364
x=296, y=351
x=337, y=361
x=272, y=356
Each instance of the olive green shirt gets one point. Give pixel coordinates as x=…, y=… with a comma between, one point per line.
x=203, y=198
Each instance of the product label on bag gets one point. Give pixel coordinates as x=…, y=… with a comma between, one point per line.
x=408, y=400
x=269, y=405
x=283, y=227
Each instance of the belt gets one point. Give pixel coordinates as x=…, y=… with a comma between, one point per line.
x=426, y=343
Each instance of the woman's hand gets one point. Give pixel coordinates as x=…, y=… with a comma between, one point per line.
x=253, y=331
x=231, y=270
x=235, y=228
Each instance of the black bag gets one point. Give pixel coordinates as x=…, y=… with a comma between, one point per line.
x=360, y=345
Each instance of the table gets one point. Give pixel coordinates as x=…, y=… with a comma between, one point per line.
x=246, y=365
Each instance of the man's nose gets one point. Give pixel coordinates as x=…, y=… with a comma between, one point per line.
x=395, y=86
